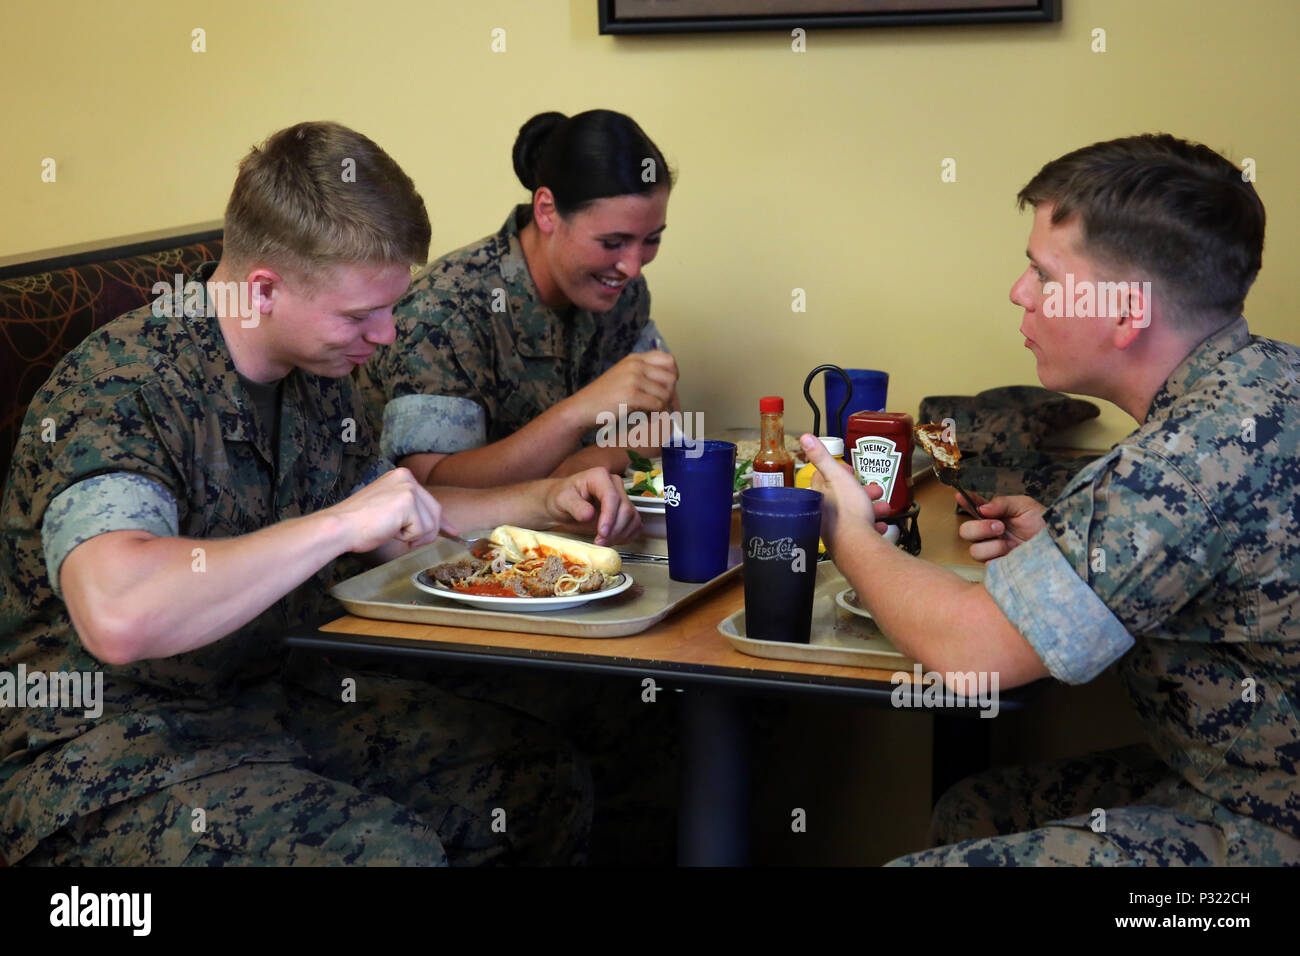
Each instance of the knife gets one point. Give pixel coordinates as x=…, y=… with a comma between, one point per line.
x=639, y=557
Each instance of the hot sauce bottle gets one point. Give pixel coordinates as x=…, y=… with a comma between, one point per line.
x=880, y=446
x=773, y=465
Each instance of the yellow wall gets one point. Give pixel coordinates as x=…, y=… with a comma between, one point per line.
x=817, y=170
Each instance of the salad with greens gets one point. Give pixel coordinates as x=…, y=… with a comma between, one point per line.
x=647, y=480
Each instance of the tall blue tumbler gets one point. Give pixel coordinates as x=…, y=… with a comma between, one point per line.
x=779, y=528
x=869, y=390
x=699, y=483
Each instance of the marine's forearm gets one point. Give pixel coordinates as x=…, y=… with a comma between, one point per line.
x=522, y=504
x=613, y=460
x=534, y=451
x=133, y=596
x=931, y=614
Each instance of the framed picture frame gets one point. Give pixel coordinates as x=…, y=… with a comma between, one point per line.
x=714, y=16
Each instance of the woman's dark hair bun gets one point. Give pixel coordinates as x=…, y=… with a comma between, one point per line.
x=588, y=156
x=528, y=145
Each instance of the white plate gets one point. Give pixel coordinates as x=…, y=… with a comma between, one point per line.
x=656, y=506
x=486, y=602
x=654, y=520
x=848, y=599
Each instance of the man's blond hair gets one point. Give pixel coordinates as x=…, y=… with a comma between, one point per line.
x=319, y=195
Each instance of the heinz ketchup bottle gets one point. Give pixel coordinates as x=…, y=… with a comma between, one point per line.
x=880, y=445
x=773, y=465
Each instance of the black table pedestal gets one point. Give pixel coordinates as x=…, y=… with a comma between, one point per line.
x=713, y=817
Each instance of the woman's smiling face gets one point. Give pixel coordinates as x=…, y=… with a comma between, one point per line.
x=591, y=254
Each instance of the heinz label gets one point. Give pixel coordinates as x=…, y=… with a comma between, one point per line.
x=876, y=460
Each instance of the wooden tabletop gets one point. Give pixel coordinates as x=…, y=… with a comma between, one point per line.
x=687, y=640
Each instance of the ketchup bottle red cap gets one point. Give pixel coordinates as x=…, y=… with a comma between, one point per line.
x=773, y=403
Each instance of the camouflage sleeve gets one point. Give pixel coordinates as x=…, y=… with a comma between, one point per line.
x=376, y=470
x=120, y=501
x=1128, y=544
x=124, y=428
x=1063, y=620
x=414, y=424
x=1141, y=535
x=429, y=392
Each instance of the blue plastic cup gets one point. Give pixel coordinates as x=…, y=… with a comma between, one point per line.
x=869, y=390
x=779, y=528
x=699, y=482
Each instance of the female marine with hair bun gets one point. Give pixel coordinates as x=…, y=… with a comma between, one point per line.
x=510, y=349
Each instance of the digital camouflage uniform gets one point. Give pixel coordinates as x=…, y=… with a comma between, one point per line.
x=1177, y=555
x=153, y=431
x=479, y=355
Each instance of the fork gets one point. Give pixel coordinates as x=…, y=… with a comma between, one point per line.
x=481, y=548
x=948, y=475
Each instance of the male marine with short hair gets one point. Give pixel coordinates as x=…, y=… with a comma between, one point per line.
x=208, y=465
x=1175, y=556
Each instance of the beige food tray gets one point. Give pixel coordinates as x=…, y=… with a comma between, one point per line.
x=838, y=635
x=386, y=593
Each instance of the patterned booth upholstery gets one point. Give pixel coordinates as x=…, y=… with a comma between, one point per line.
x=49, y=306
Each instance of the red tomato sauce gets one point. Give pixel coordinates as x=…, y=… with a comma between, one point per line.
x=488, y=589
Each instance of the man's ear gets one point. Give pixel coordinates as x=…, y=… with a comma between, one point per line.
x=544, y=212
x=1135, y=314
x=264, y=286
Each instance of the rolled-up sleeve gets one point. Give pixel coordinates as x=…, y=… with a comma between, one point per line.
x=1055, y=610
x=120, y=501
x=1128, y=544
x=416, y=424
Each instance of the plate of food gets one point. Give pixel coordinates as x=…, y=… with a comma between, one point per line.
x=528, y=571
x=644, y=482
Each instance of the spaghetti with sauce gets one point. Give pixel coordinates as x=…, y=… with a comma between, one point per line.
x=528, y=564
